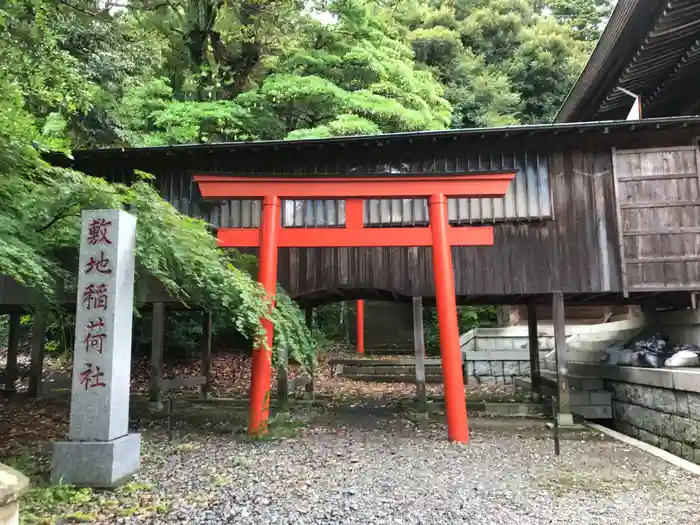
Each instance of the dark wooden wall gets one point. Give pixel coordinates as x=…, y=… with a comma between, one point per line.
x=574, y=251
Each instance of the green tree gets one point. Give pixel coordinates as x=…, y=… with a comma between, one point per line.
x=42, y=87
x=586, y=17
x=354, y=76
x=502, y=61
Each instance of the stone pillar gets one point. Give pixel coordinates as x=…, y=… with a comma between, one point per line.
x=507, y=315
x=100, y=452
x=564, y=416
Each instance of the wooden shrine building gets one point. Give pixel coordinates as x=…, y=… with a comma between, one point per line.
x=604, y=212
x=597, y=213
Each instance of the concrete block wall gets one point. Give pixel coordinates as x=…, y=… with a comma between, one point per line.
x=505, y=338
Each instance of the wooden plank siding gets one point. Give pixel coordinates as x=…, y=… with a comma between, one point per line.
x=575, y=251
x=567, y=242
x=659, y=210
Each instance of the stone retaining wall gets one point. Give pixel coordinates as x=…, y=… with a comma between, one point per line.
x=505, y=339
x=496, y=367
x=658, y=406
x=664, y=418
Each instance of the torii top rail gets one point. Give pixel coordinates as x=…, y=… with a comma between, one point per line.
x=440, y=236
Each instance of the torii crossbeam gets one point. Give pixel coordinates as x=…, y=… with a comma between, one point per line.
x=439, y=235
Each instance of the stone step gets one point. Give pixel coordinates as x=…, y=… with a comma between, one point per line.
x=379, y=362
x=389, y=351
x=387, y=370
x=380, y=378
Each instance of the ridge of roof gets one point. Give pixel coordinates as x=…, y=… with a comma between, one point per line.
x=505, y=131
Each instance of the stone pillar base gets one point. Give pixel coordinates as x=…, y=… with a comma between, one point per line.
x=98, y=464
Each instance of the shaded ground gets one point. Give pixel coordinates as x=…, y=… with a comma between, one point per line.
x=371, y=464
x=357, y=457
x=26, y=421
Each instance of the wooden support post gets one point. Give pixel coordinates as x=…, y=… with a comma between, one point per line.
x=11, y=371
x=309, y=387
x=534, y=351
x=564, y=416
x=37, y=357
x=309, y=317
x=282, y=378
x=345, y=322
x=419, y=347
x=205, y=370
x=157, y=341
x=446, y=304
x=360, y=327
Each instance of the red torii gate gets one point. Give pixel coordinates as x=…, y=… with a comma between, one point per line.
x=439, y=235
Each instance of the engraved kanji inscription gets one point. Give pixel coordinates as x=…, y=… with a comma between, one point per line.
x=95, y=297
x=97, y=232
x=92, y=378
x=95, y=335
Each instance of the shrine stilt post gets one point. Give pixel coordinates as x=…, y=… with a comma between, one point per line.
x=446, y=304
x=360, y=327
x=259, y=408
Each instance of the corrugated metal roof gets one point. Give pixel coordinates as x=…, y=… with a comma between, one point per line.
x=647, y=47
x=502, y=132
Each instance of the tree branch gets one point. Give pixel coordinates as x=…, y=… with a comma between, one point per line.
x=61, y=215
x=79, y=9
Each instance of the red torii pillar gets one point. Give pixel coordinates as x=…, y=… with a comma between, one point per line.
x=440, y=236
x=360, y=327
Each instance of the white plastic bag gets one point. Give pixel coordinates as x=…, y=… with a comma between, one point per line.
x=684, y=358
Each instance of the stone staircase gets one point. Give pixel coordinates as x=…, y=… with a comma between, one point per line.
x=587, y=343
x=495, y=356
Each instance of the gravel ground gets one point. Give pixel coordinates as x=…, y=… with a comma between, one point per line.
x=371, y=466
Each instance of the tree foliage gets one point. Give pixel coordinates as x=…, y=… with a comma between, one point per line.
x=87, y=73
x=502, y=61
x=40, y=205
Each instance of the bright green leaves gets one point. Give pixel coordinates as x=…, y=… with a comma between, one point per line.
x=437, y=46
x=586, y=17
x=342, y=126
x=44, y=91
x=502, y=62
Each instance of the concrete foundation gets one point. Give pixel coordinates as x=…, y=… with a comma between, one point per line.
x=102, y=464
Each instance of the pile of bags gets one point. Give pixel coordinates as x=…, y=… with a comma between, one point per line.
x=654, y=352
